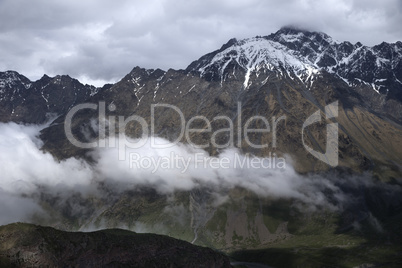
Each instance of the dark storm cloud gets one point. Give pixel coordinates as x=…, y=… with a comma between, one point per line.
x=103, y=40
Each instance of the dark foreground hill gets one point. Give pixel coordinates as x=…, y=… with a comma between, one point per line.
x=26, y=245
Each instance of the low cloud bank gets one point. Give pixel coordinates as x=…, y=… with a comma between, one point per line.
x=27, y=174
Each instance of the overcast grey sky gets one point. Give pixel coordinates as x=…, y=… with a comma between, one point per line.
x=102, y=40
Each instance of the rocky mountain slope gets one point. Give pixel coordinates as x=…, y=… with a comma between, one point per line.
x=304, y=55
x=22, y=100
x=25, y=245
x=286, y=76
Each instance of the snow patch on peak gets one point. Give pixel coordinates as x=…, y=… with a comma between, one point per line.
x=254, y=53
x=10, y=79
x=300, y=54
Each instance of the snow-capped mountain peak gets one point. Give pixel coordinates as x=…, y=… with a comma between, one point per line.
x=13, y=85
x=257, y=53
x=11, y=79
x=303, y=54
x=294, y=35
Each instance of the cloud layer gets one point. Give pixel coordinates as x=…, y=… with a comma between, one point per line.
x=99, y=41
x=29, y=174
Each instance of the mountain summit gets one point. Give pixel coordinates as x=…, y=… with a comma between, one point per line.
x=303, y=55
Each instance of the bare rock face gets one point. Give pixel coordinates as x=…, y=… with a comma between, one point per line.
x=25, y=245
x=24, y=101
x=268, y=94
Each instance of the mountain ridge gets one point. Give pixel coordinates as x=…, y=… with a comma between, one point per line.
x=19, y=96
x=304, y=51
x=374, y=72
x=272, y=86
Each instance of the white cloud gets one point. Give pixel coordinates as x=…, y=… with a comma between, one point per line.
x=103, y=40
x=24, y=167
x=27, y=173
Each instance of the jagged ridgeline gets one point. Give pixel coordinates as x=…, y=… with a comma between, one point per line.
x=289, y=74
x=311, y=215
